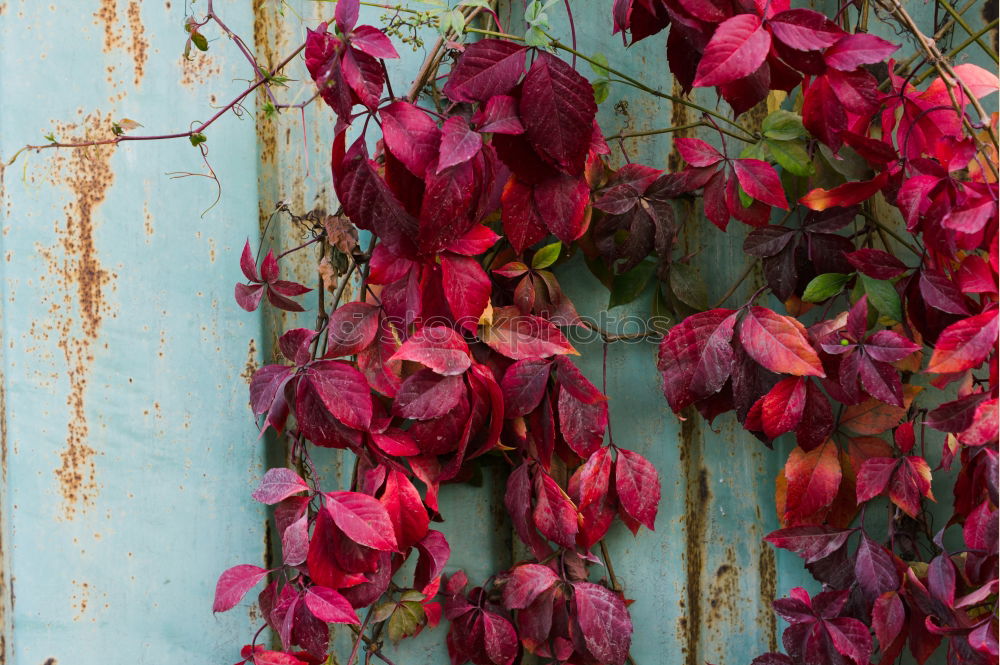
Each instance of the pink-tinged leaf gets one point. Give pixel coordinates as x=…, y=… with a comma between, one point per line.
x=581, y=424
x=524, y=336
x=604, y=622
x=265, y=384
x=852, y=51
x=984, y=425
x=346, y=15
x=269, y=270
x=738, y=47
x=760, y=181
x=811, y=542
x=874, y=569
x=554, y=513
x=523, y=386
x=437, y=347
x=876, y=263
x=638, y=487
x=279, y=484
x=591, y=481
x=373, y=41
x=396, y=442
x=783, y=407
x=888, y=618
x=364, y=75
x=844, y=195
x=942, y=293
x=248, y=296
x=697, y=152
x=248, y=265
x=941, y=579
x=427, y=395
x=351, y=328
x=362, y=519
x=458, y=143
x=499, y=639
x=979, y=81
x=406, y=510
x=329, y=606
x=888, y=346
x=475, y=241
x=879, y=379
x=557, y=108
x=486, y=68
x=276, y=658
x=805, y=30
x=295, y=542
x=467, y=288
x=526, y=583
x=411, y=136
x=572, y=379
x=433, y=553
x=965, y=344
x=561, y=201
x=812, y=481
x=499, y=116
x=778, y=343
x=234, y=583
x=343, y=391
x=696, y=357
x=850, y=638
x=295, y=343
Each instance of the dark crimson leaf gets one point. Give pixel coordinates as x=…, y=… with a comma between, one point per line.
x=874, y=569
x=525, y=584
x=783, y=407
x=362, y=519
x=234, y=583
x=265, y=386
x=459, y=143
x=517, y=500
x=522, y=223
x=852, y=51
x=738, y=47
x=561, y=201
x=499, y=639
x=346, y=15
x=778, y=343
x=957, y=415
x=411, y=136
x=940, y=292
x=804, y=29
x=906, y=480
x=248, y=265
x=890, y=347
x=881, y=380
x=811, y=542
x=374, y=42
x=557, y=108
x=572, y=379
x=523, y=386
x=554, y=513
x=437, y=347
x=888, y=617
x=499, y=116
x=329, y=606
x=351, y=328
x=248, y=296
x=342, y=389
x=591, y=481
x=581, y=424
x=876, y=263
x=434, y=552
x=523, y=336
x=466, y=287
x=279, y=484
x=604, y=622
x=696, y=357
x=364, y=75
x=638, y=487
x=817, y=422
x=697, y=152
x=486, y=68
x=406, y=510
x=824, y=116
x=426, y=395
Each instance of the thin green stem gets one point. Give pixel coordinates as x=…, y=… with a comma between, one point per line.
x=651, y=132
x=987, y=49
x=958, y=49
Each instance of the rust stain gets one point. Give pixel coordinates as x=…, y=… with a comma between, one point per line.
x=77, y=305
x=768, y=591
x=147, y=222
x=80, y=600
x=679, y=115
x=724, y=597
x=696, y=499
x=138, y=46
x=107, y=16
x=6, y=592
x=198, y=69
x=252, y=365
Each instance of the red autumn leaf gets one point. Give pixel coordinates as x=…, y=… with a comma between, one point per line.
x=561, y=201
x=844, y=195
x=279, y=484
x=696, y=357
x=234, y=583
x=466, y=287
x=876, y=263
x=369, y=39
x=276, y=658
x=486, y=68
x=517, y=500
x=342, y=389
x=957, y=415
x=362, y=519
x=295, y=542
x=778, y=343
x=604, y=622
x=581, y=424
x=525, y=583
x=811, y=542
x=411, y=136
x=804, y=29
x=523, y=336
x=824, y=116
x=591, y=481
x=329, y=606
x=351, y=328
x=427, y=395
x=817, y=422
x=346, y=15
x=438, y=348
x=433, y=553
x=523, y=386
x=499, y=639
x=738, y=47
x=499, y=116
x=697, y=152
x=906, y=480
x=874, y=569
x=813, y=479
x=406, y=511
x=522, y=223
x=554, y=513
x=760, y=181
x=557, y=108
x=852, y=51
x=783, y=407
x=888, y=617
x=459, y=143
x=965, y=344
x=638, y=487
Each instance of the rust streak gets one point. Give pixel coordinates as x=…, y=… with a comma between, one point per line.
x=679, y=115
x=696, y=499
x=138, y=46
x=252, y=365
x=768, y=591
x=107, y=16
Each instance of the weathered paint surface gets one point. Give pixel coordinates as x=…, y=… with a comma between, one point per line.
x=128, y=451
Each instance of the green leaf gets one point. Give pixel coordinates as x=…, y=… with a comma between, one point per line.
x=199, y=41
x=754, y=151
x=792, y=156
x=536, y=36
x=629, y=286
x=546, y=256
x=600, y=65
x=745, y=199
x=824, y=286
x=197, y=139
x=783, y=125
x=882, y=294
x=602, y=88
x=688, y=286
x=405, y=620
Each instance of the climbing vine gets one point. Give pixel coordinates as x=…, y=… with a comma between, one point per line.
x=871, y=190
